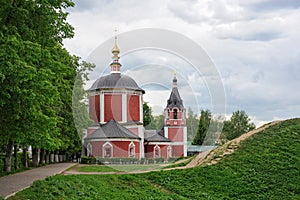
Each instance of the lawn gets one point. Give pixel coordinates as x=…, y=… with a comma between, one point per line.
x=116, y=168
x=266, y=166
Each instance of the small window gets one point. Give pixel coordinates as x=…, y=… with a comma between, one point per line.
x=89, y=149
x=156, y=151
x=107, y=152
x=131, y=150
x=169, y=154
x=175, y=113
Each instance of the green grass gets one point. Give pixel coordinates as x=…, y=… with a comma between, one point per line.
x=95, y=168
x=266, y=166
x=116, y=168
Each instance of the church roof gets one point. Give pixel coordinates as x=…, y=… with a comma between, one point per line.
x=155, y=136
x=174, y=99
x=112, y=129
x=116, y=81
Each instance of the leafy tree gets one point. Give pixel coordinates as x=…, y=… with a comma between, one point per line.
x=37, y=76
x=238, y=124
x=203, y=125
x=147, y=114
x=157, y=123
x=192, y=124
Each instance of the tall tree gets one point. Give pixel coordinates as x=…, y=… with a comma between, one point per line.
x=192, y=124
x=239, y=124
x=147, y=114
x=203, y=126
x=36, y=74
x=157, y=123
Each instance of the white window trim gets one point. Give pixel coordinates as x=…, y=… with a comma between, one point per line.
x=154, y=152
x=129, y=147
x=169, y=149
x=104, y=147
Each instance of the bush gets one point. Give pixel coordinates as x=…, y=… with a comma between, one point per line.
x=172, y=159
x=88, y=160
x=159, y=160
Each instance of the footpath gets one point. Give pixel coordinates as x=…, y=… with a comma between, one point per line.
x=11, y=184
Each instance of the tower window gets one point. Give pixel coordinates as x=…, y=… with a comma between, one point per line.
x=175, y=113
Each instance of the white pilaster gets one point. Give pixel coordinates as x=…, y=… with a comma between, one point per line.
x=101, y=108
x=124, y=107
x=141, y=108
x=141, y=131
x=166, y=132
x=185, y=141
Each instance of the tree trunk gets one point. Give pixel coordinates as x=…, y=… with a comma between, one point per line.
x=9, y=148
x=47, y=157
x=35, y=157
x=24, y=156
x=42, y=156
x=16, y=148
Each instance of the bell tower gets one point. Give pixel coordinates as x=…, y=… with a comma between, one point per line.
x=175, y=121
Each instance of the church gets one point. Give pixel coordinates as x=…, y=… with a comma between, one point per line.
x=116, y=107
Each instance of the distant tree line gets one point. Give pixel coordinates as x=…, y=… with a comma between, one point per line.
x=37, y=76
x=238, y=124
x=198, y=128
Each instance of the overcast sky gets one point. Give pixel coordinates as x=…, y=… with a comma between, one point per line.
x=254, y=45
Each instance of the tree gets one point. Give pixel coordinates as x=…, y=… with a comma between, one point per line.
x=37, y=76
x=192, y=124
x=203, y=126
x=157, y=123
x=238, y=124
x=147, y=114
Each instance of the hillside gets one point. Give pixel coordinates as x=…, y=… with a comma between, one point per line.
x=213, y=156
x=264, y=166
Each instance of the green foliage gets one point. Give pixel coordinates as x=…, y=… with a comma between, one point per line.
x=203, y=126
x=96, y=168
x=192, y=124
x=265, y=166
x=239, y=124
x=147, y=114
x=94, y=187
x=157, y=123
x=37, y=76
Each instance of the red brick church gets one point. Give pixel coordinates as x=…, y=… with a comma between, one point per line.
x=116, y=107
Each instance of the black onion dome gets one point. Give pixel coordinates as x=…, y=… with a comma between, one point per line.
x=117, y=81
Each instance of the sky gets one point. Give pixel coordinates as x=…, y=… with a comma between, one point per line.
x=252, y=44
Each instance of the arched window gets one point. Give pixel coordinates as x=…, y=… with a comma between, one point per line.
x=175, y=113
x=131, y=150
x=89, y=149
x=107, y=150
x=169, y=152
x=156, y=152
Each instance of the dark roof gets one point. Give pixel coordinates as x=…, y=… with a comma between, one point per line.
x=155, y=136
x=112, y=129
x=174, y=99
x=116, y=80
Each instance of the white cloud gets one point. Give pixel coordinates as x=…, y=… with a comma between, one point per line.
x=253, y=43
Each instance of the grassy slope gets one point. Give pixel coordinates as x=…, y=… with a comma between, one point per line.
x=266, y=166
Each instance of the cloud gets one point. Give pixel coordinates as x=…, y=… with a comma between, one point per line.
x=271, y=5
x=253, y=43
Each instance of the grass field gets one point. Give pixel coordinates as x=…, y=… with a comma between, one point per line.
x=117, y=168
x=266, y=166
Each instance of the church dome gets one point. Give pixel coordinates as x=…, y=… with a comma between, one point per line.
x=116, y=81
